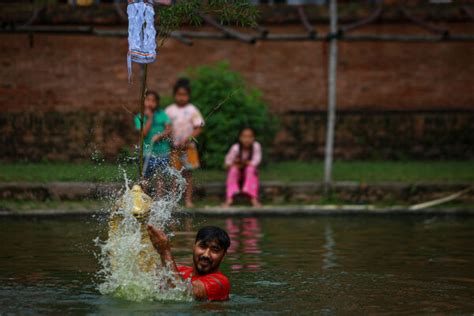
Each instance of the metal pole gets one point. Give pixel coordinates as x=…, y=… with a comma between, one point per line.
x=142, y=117
x=331, y=119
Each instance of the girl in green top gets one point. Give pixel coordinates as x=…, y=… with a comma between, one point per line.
x=156, y=132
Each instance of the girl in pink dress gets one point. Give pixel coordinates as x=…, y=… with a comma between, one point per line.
x=242, y=161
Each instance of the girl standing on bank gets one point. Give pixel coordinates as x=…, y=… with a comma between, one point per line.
x=187, y=123
x=242, y=160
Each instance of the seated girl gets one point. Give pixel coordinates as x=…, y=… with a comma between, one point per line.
x=242, y=160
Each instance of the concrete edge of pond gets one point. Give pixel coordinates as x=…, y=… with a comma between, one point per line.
x=271, y=192
x=286, y=210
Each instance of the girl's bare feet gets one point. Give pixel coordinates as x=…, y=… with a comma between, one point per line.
x=227, y=203
x=255, y=202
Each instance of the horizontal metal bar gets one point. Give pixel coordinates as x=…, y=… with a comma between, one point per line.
x=341, y=37
x=407, y=38
x=187, y=35
x=53, y=29
x=111, y=33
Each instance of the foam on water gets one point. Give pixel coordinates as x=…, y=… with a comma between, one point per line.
x=131, y=268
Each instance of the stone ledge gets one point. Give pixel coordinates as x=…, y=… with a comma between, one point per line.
x=273, y=192
x=287, y=210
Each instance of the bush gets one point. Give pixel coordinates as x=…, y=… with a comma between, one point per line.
x=227, y=104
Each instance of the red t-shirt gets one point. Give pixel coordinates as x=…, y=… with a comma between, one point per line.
x=216, y=284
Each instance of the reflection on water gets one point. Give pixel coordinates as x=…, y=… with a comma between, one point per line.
x=307, y=265
x=245, y=249
x=329, y=258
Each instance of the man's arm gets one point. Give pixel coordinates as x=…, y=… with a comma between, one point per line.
x=199, y=290
x=162, y=245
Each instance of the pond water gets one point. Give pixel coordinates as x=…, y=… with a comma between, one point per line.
x=277, y=265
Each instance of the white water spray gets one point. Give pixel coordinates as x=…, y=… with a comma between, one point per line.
x=131, y=267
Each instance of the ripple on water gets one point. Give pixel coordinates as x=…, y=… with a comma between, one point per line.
x=378, y=265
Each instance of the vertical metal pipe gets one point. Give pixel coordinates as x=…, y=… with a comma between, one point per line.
x=331, y=118
x=142, y=117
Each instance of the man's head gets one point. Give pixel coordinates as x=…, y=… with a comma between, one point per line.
x=210, y=248
x=152, y=100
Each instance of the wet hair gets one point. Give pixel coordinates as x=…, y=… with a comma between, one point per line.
x=153, y=93
x=211, y=233
x=182, y=83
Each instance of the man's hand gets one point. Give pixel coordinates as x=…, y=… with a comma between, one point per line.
x=162, y=245
x=160, y=241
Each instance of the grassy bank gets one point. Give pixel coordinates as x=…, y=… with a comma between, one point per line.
x=363, y=171
x=20, y=206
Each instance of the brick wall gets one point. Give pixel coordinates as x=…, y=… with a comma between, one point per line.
x=67, y=96
x=66, y=73
x=378, y=135
x=75, y=136
x=71, y=136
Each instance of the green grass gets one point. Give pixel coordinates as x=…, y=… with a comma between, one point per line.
x=362, y=171
x=50, y=172
x=18, y=206
x=374, y=171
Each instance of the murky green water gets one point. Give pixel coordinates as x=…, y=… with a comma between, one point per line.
x=303, y=265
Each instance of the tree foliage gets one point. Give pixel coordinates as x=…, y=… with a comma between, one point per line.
x=170, y=18
x=227, y=104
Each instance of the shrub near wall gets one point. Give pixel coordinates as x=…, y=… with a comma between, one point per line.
x=227, y=104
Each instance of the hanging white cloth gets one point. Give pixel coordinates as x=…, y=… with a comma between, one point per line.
x=141, y=33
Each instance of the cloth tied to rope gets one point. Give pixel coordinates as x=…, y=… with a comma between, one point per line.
x=141, y=33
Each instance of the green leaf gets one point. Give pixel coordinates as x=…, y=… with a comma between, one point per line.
x=227, y=104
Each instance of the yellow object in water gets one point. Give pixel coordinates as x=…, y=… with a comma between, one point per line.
x=138, y=203
x=83, y=2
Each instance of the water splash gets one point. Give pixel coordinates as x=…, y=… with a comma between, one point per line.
x=131, y=268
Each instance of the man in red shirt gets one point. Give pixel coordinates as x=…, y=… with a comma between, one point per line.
x=210, y=248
